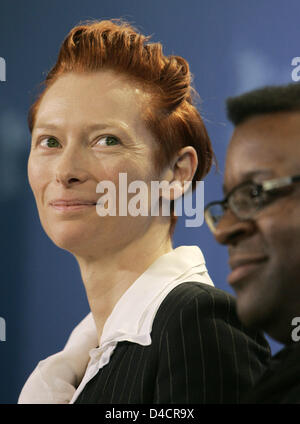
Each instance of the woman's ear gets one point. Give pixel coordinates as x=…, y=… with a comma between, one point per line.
x=180, y=173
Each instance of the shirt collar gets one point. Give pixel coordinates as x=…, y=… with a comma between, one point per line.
x=132, y=316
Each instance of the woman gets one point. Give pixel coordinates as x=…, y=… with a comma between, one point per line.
x=113, y=104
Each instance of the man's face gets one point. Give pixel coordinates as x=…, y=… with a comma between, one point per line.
x=264, y=252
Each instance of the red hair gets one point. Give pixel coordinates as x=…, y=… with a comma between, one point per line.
x=172, y=116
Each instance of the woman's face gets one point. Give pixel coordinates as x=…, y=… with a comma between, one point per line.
x=88, y=129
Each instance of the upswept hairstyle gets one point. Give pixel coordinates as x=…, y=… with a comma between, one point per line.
x=269, y=99
x=172, y=115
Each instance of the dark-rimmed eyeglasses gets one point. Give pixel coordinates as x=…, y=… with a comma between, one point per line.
x=246, y=199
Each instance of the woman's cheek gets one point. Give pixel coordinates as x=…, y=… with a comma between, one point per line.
x=38, y=175
x=111, y=168
x=34, y=173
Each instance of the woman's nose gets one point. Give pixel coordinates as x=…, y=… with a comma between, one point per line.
x=71, y=168
x=231, y=229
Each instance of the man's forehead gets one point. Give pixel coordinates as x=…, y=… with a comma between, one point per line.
x=272, y=128
x=263, y=147
x=248, y=160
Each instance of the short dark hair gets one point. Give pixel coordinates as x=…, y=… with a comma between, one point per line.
x=269, y=99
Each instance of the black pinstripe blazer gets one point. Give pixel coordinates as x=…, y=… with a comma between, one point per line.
x=280, y=383
x=200, y=353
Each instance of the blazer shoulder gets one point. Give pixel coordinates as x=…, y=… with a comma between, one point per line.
x=200, y=340
x=193, y=301
x=209, y=301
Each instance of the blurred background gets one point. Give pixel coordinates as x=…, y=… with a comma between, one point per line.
x=232, y=46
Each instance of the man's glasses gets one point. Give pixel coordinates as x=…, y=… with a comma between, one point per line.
x=246, y=199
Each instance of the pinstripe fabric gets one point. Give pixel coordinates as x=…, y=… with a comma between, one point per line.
x=200, y=353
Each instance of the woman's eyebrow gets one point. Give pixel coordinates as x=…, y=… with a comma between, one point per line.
x=89, y=127
x=46, y=126
x=109, y=124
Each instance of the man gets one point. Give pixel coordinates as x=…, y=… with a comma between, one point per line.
x=259, y=221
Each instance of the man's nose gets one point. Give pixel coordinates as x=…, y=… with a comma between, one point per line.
x=72, y=167
x=231, y=229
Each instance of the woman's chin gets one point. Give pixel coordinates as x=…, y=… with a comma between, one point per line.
x=71, y=239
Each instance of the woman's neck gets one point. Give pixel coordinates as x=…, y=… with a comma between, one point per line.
x=107, y=277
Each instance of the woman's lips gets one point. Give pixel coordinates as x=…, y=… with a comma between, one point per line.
x=71, y=205
x=243, y=266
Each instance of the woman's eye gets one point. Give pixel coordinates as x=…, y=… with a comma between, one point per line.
x=108, y=140
x=50, y=142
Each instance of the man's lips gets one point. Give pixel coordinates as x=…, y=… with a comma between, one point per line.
x=242, y=266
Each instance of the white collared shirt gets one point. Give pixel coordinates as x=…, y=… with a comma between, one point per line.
x=131, y=320
x=134, y=313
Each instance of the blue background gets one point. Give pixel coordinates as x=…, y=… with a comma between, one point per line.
x=231, y=45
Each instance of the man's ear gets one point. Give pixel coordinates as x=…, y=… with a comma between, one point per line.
x=180, y=173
